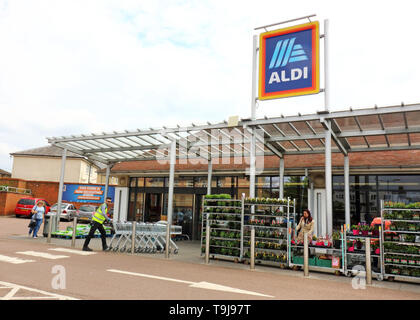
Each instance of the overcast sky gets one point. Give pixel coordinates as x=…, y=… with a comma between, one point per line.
x=82, y=66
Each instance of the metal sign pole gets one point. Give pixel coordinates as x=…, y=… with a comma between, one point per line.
x=326, y=67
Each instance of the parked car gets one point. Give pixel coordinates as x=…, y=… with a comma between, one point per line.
x=68, y=211
x=25, y=205
x=86, y=212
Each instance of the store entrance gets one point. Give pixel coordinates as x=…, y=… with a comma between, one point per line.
x=197, y=216
x=153, y=207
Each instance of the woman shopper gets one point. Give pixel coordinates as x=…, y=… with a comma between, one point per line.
x=38, y=214
x=306, y=224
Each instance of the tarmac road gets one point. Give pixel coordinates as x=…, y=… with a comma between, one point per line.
x=142, y=277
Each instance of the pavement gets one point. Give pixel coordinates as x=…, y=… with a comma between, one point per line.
x=57, y=271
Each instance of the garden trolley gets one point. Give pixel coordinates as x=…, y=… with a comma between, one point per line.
x=401, y=242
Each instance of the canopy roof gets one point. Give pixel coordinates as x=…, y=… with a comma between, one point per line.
x=374, y=129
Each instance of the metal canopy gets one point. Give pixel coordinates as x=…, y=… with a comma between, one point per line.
x=374, y=129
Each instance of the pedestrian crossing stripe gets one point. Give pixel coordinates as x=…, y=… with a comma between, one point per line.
x=82, y=253
x=14, y=260
x=42, y=255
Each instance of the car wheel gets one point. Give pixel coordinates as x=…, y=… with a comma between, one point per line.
x=17, y=216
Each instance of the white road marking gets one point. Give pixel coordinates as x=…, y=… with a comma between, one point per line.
x=42, y=255
x=149, y=276
x=82, y=253
x=14, y=288
x=213, y=286
x=14, y=260
x=200, y=285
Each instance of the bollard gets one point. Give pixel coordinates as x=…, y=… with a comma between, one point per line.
x=168, y=239
x=207, y=244
x=305, y=255
x=73, y=237
x=49, y=229
x=368, y=262
x=252, y=262
x=133, y=236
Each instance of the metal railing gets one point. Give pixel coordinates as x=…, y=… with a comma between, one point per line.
x=15, y=190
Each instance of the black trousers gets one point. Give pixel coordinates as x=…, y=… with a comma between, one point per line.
x=96, y=226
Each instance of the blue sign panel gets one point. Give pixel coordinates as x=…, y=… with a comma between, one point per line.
x=86, y=193
x=289, y=62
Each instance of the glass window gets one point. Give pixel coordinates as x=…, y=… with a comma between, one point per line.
x=133, y=182
x=139, y=206
x=140, y=182
x=243, y=181
x=155, y=182
x=200, y=182
x=399, y=183
x=263, y=193
x=263, y=182
x=184, y=182
x=225, y=182
x=183, y=211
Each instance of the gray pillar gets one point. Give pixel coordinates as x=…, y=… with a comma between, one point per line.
x=108, y=169
x=209, y=175
x=281, y=179
x=328, y=182
x=61, y=186
x=347, y=190
x=170, y=196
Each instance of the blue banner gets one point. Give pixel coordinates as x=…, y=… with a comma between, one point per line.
x=86, y=193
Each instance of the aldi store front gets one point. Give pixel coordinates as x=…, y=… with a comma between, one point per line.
x=148, y=196
x=337, y=164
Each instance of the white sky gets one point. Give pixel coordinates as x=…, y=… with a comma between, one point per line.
x=82, y=66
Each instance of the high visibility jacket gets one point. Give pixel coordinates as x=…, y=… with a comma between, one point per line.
x=99, y=215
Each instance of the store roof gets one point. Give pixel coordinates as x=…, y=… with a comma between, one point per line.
x=373, y=129
x=4, y=172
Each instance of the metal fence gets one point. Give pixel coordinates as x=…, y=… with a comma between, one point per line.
x=15, y=190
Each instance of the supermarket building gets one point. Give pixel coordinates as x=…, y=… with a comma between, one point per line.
x=340, y=165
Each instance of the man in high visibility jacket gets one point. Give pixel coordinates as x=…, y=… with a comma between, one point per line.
x=98, y=219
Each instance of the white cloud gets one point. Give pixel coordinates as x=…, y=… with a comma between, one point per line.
x=71, y=67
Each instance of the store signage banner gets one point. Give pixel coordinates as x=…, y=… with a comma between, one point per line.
x=289, y=62
x=86, y=193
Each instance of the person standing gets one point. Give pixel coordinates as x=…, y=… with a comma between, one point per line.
x=38, y=212
x=98, y=220
x=306, y=224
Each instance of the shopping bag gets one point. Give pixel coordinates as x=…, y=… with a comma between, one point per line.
x=32, y=224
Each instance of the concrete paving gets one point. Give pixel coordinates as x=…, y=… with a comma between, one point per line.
x=151, y=276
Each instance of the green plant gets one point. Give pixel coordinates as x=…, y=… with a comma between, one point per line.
x=336, y=235
x=355, y=227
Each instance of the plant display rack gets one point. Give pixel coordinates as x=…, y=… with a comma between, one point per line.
x=224, y=216
x=358, y=254
x=321, y=253
x=401, y=243
x=271, y=219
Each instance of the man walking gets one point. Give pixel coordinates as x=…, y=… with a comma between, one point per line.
x=98, y=219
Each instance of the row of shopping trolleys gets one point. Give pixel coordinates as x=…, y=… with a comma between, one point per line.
x=149, y=237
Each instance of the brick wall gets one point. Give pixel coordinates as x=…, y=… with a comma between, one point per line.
x=8, y=202
x=40, y=189
x=366, y=159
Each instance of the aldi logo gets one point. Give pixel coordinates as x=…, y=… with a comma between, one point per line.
x=289, y=62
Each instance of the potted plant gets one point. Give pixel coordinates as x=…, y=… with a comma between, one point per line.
x=355, y=229
x=411, y=227
x=393, y=226
x=336, y=239
x=364, y=229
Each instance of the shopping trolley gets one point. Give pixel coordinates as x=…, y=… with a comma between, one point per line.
x=149, y=237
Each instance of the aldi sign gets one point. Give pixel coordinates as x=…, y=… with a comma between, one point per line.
x=289, y=62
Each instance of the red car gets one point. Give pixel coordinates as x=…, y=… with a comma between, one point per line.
x=25, y=205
